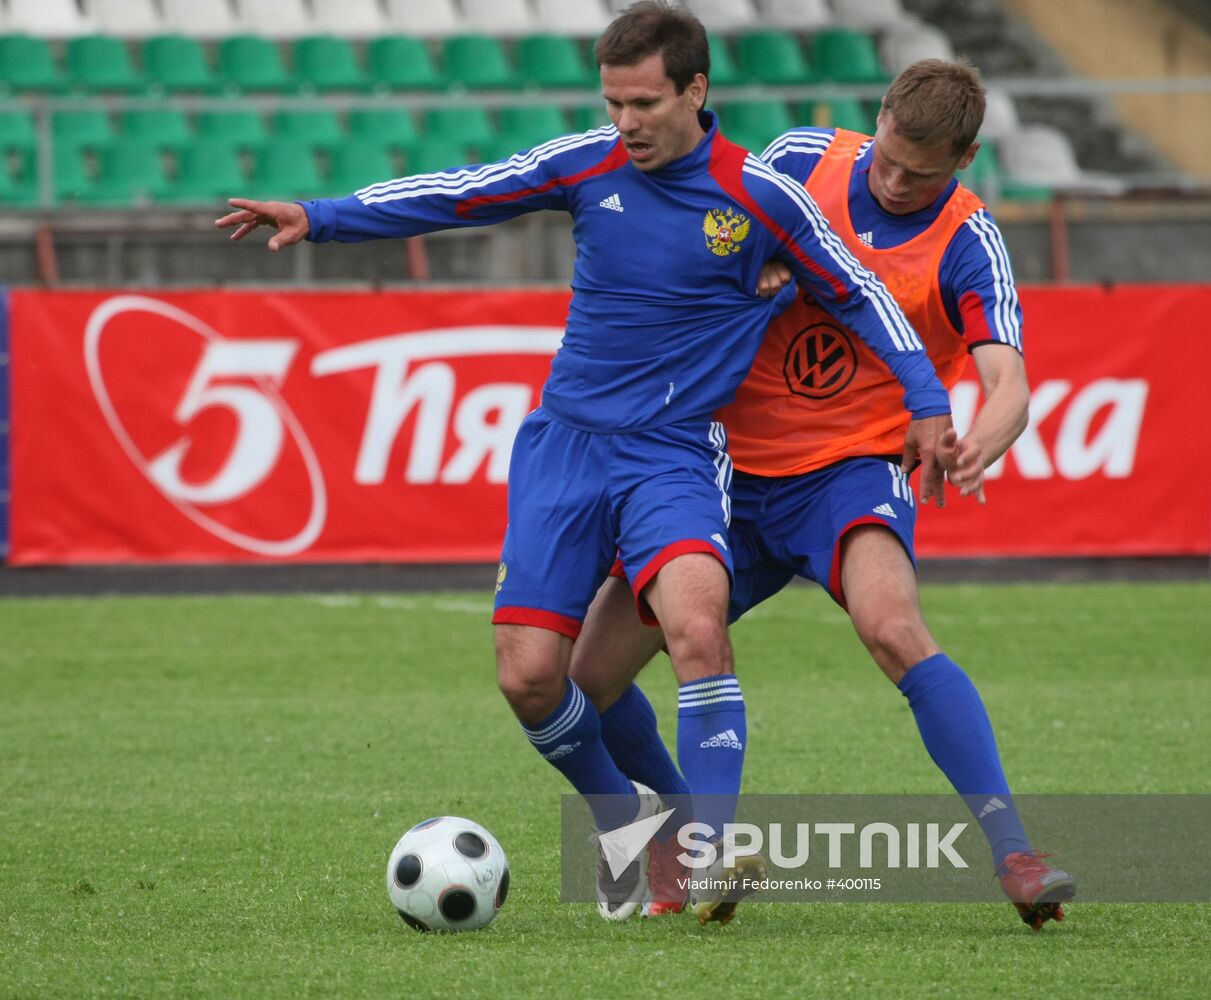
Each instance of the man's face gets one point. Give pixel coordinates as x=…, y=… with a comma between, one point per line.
x=906, y=177
x=657, y=124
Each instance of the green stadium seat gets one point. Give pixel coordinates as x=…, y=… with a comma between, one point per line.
x=533, y=124
x=757, y=123
x=467, y=124
x=773, y=58
x=358, y=163
x=72, y=176
x=434, y=155
x=206, y=172
x=164, y=127
x=83, y=128
x=239, y=125
x=847, y=56
x=724, y=71
x=553, y=62
x=286, y=169
x=478, y=62
x=131, y=172
x=842, y=112
x=102, y=64
x=589, y=117
x=254, y=64
x=176, y=64
x=319, y=128
x=983, y=174
x=28, y=64
x=18, y=132
x=394, y=127
x=325, y=63
x=400, y=62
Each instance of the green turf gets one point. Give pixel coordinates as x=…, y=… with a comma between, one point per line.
x=198, y=797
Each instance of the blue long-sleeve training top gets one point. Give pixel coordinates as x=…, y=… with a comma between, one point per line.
x=664, y=320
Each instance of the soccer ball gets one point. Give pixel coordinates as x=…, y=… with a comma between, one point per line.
x=447, y=874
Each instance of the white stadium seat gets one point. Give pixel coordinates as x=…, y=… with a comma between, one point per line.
x=1000, y=116
x=274, y=18
x=572, y=17
x=498, y=17
x=427, y=18
x=125, y=18
x=351, y=18
x=797, y=15
x=724, y=15
x=911, y=43
x=49, y=18
x=1041, y=155
x=870, y=13
x=203, y=18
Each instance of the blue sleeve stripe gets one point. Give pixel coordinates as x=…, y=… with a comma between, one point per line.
x=902, y=335
x=470, y=179
x=1006, y=323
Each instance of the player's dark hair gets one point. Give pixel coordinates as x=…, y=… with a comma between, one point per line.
x=652, y=26
x=938, y=101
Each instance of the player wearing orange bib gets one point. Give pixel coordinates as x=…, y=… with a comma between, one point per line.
x=817, y=436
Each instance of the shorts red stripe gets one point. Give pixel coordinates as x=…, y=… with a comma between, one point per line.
x=537, y=618
x=662, y=559
x=834, y=575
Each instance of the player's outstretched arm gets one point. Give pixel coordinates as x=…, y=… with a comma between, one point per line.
x=1001, y=419
x=287, y=217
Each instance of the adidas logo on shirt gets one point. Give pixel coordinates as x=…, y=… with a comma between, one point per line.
x=727, y=739
x=613, y=203
x=885, y=510
x=868, y=238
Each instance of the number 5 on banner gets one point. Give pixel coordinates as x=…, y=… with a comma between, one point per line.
x=259, y=433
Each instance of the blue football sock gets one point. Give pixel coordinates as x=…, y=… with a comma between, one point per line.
x=958, y=735
x=570, y=739
x=711, y=735
x=630, y=733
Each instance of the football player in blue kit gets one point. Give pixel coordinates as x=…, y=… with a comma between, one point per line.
x=672, y=224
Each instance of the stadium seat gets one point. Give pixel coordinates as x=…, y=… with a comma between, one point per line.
x=207, y=171
x=254, y=64
x=478, y=62
x=326, y=63
x=165, y=127
x=130, y=172
x=319, y=128
x=47, y=18
x=774, y=58
x=796, y=15
x=198, y=18
x=390, y=126
x=273, y=18
x=286, y=169
x=239, y=125
x=1042, y=156
x=102, y=64
x=71, y=174
x=724, y=71
x=28, y=64
x=758, y=123
x=176, y=64
x=508, y=18
x=467, y=124
x=429, y=19
x=844, y=55
x=358, y=163
x=589, y=117
x=401, y=62
x=18, y=132
x=870, y=13
x=125, y=18
x=435, y=155
x=578, y=18
x=532, y=123
x=553, y=61
x=903, y=46
x=349, y=18
x=724, y=15
x=842, y=112
x=82, y=128
x=983, y=175
x=1000, y=116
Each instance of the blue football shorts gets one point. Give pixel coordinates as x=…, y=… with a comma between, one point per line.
x=579, y=499
x=793, y=525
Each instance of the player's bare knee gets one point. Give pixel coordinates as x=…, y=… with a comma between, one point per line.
x=699, y=647
x=896, y=641
x=533, y=694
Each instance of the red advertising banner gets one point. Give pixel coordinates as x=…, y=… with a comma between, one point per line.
x=318, y=427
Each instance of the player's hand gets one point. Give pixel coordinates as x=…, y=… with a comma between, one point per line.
x=965, y=470
x=930, y=441
x=775, y=276
x=287, y=217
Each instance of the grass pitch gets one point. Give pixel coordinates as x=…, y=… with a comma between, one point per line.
x=198, y=797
